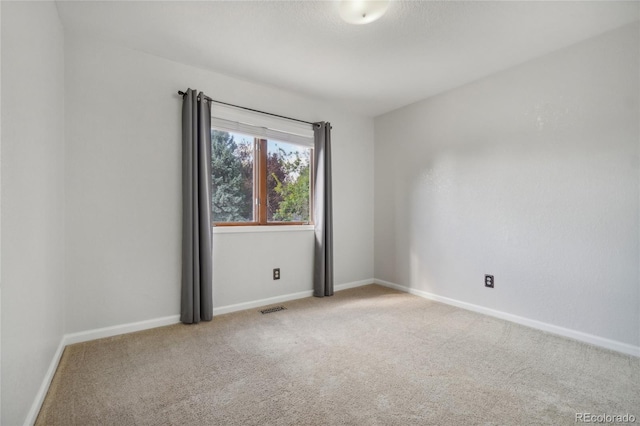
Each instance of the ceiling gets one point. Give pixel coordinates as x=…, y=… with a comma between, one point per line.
x=418, y=49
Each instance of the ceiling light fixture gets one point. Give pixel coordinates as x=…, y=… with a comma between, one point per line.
x=362, y=11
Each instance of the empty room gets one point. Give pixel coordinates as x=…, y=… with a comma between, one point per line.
x=345, y=212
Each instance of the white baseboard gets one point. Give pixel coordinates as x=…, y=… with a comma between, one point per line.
x=44, y=387
x=613, y=345
x=99, y=333
x=261, y=302
x=393, y=286
x=353, y=284
x=284, y=298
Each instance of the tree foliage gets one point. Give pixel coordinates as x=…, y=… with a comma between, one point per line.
x=294, y=188
x=231, y=198
x=275, y=175
x=232, y=175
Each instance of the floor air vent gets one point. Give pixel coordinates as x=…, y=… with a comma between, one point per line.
x=274, y=309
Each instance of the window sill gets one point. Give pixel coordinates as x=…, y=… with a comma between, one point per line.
x=273, y=228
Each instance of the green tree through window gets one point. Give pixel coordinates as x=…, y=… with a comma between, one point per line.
x=244, y=167
x=232, y=178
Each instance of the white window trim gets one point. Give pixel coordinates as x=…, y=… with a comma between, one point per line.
x=264, y=126
x=268, y=228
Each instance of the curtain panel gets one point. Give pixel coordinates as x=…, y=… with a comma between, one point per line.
x=197, y=262
x=322, y=212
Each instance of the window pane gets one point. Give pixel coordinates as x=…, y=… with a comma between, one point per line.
x=288, y=172
x=232, y=175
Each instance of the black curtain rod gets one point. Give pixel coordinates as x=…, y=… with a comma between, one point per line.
x=181, y=93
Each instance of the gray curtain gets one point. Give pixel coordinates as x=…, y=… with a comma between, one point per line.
x=197, y=301
x=322, y=212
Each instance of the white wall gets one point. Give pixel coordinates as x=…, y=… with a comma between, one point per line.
x=33, y=200
x=123, y=190
x=530, y=175
x=292, y=252
x=0, y=214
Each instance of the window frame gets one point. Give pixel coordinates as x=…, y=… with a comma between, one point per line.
x=260, y=196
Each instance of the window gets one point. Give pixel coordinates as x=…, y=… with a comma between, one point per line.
x=259, y=179
x=233, y=177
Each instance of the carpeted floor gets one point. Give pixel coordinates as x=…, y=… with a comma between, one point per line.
x=366, y=356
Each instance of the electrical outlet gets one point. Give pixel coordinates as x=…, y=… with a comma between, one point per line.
x=276, y=273
x=488, y=281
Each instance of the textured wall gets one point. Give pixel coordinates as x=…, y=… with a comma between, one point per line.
x=123, y=189
x=530, y=175
x=33, y=282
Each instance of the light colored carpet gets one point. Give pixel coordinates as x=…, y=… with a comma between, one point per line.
x=366, y=356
